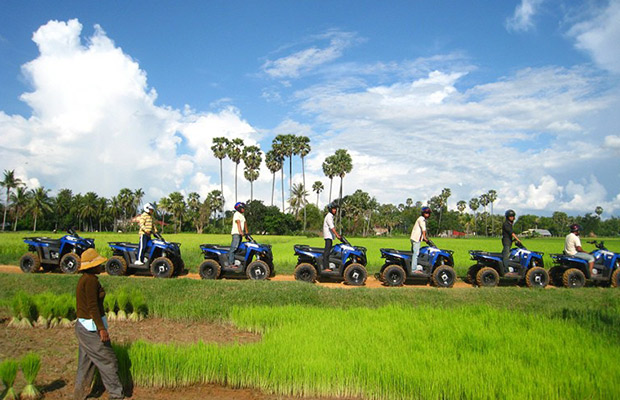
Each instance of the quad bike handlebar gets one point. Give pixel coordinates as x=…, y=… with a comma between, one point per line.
x=599, y=245
x=430, y=243
x=249, y=238
x=344, y=240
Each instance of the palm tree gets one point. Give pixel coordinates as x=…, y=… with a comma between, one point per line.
x=235, y=153
x=215, y=201
x=484, y=202
x=330, y=172
x=194, y=205
x=39, y=204
x=317, y=187
x=343, y=164
x=252, y=158
x=274, y=164
x=137, y=198
x=164, y=205
x=302, y=147
x=443, y=203
x=492, y=195
x=287, y=149
x=125, y=197
x=220, y=150
x=474, y=204
x=9, y=182
x=298, y=198
x=279, y=151
x=177, y=206
x=89, y=208
x=461, y=206
x=19, y=201
x=598, y=210
x=62, y=207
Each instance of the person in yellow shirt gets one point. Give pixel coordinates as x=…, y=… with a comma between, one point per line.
x=146, y=229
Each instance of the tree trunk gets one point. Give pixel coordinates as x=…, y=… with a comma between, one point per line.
x=221, y=179
x=251, y=191
x=6, y=207
x=273, y=186
x=331, y=180
x=34, y=228
x=340, y=206
x=317, y=199
x=303, y=173
x=236, y=166
x=282, y=184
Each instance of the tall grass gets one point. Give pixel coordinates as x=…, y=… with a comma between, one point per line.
x=394, y=352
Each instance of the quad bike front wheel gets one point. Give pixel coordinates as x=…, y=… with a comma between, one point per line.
x=70, y=263
x=573, y=279
x=536, y=277
x=487, y=277
x=355, y=274
x=116, y=266
x=394, y=275
x=615, y=278
x=210, y=269
x=305, y=272
x=471, y=274
x=444, y=276
x=555, y=276
x=30, y=263
x=257, y=270
x=162, y=267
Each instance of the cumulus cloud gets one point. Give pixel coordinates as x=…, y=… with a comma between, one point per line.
x=599, y=36
x=306, y=60
x=95, y=124
x=521, y=20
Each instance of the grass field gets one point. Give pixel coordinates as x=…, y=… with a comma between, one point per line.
x=384, y=343
x=12, y=247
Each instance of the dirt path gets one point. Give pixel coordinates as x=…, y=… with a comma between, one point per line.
x=371, y=282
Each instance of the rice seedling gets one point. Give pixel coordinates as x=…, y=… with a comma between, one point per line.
x=122, y=299
x=8, y=373
x=45, y=306
x=109, y=305
x=138, y=306
x=26, y=310
x=30, y=365
x=65, y=306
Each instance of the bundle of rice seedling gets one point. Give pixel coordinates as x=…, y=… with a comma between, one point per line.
x=8, y=372
x=122, y=299
x=26, y=310
x=16, y=318
x=65, y=307
x=109, y=305
x=45, y=305
x=138, y=306
x=30, y=365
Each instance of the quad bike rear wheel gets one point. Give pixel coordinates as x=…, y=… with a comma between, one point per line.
x=394, y=275
x=471, y=274
x=116, y=265
x=70, y=263
x=355, y=274
x=210, y=269
x=162, y=267
x=615, y=278
x=536, y=277
x=573, y=279
x=555, y=276
x=487, y=277
x=444, y=276
x=30, y=263
x=257, y=270
x=305, y=272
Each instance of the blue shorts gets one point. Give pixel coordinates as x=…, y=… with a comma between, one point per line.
x=584, y=256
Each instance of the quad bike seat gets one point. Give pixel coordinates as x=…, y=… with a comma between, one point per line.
x=303, y=247
x=403, y=252
x=45, y=240
x=216, y=246
x=124, y=244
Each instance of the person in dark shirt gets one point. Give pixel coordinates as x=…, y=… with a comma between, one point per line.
x=507, y=237
x=95, y=350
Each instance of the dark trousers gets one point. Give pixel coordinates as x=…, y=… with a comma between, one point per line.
x=93, y=353
x=506, y=253
x=326, y=252
x=234, y=245
x=144, y=239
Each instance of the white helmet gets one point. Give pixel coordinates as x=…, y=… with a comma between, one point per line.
x=149, y=206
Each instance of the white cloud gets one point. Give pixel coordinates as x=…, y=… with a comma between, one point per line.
x=599, y=36
x=306, y=60
x=95, y=125
x=612, y=141
x=521, y=20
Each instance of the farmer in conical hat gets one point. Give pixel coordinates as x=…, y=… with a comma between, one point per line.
x=91, y=329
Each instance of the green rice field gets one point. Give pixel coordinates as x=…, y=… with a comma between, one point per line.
x=12, y=247
x=383, y=343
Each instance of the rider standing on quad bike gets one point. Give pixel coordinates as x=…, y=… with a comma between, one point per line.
x=146, y=228
x=329, y=232
x=239, y=227
x=508, y=236
x=418, y=234
x=572, y=246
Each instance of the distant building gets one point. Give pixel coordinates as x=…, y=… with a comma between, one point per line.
x=452, y=233
x=536, y=232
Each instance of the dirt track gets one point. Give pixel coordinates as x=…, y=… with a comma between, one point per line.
x=371, y=282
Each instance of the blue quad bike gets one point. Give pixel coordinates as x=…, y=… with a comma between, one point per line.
x=347, y=262
x=524, y=266
x=437, y=266
x=162, y=258
x=63, y=253
x=572, y=272
x=252, y=260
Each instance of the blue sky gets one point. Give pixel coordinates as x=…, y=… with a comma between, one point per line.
x=516, y=96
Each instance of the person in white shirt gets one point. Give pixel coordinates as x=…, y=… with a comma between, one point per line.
x=329, y=232
x=572, y=246
x=418, y=234
x=239, y=227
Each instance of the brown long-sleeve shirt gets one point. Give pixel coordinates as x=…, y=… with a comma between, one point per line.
x=89, y=297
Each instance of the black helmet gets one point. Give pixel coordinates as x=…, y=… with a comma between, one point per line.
x=425, y=210
x=239, y=206
x=575, y=228
x=332, y=205
x=510, y=213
